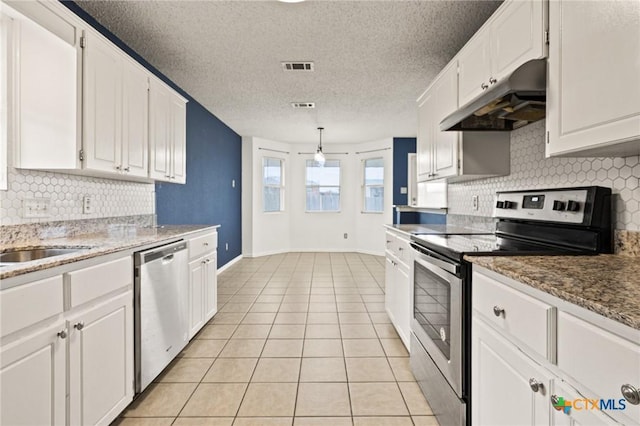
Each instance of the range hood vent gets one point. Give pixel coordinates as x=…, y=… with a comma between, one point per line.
x=514, y=102
x=297, y=66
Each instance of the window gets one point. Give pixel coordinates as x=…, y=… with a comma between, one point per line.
x=273, y=184
x=323, y=186
x=373, y=188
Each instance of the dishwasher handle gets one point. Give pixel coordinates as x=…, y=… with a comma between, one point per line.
x=166, y=253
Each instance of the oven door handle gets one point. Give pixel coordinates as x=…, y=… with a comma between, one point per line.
x=449, y=267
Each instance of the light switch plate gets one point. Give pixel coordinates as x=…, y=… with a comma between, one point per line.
x=403, y=190
x=36, y=207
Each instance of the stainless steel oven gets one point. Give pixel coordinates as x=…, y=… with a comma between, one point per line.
x=556, y=221
x=437, y=344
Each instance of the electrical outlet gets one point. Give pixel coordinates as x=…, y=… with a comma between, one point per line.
x=475, y=202
x=87, y=204
x=226, y=246
x=346, y=235
x=36, y=207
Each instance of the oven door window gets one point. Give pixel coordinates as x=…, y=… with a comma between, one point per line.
x=432, y=307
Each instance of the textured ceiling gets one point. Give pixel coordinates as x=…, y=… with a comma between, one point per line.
x=372, y=59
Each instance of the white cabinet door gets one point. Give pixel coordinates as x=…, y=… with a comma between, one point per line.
x=445, y=144
x=517, y=36
x=159, y=131
x=594, y=78
x=211, y=286
x=475, y=66
x=167, y=134
x=403, y=304
x=425, y=137
x=33, y=379
x=501, y=374
x=179, y=140
x=389, y=279
x=101, y=361
x=102, y=105
x=42, y=88
x=135, y=120
x=197, y=280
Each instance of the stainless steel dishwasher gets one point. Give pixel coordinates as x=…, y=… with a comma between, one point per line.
x=160, y=298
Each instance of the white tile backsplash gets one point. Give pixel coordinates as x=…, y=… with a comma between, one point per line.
x=531, y=170
x=110, y=197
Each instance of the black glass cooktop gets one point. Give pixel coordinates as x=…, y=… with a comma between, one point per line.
x=456, y=246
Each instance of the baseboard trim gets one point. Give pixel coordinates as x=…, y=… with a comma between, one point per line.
x=230, y=263
x=307, y=250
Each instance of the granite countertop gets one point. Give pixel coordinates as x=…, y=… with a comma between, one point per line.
x=96, y=244
x=608, y=285
x=435, y=229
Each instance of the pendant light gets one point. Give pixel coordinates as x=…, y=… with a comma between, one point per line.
x=319, y=156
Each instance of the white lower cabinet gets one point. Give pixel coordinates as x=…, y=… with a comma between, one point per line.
x=203, y=281
x=398, y=285
x=508, y=387
x=33, y=374
x=565, y=357
x=72, y=367
x=100, y=361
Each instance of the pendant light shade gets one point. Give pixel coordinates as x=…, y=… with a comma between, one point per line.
x=319, y=155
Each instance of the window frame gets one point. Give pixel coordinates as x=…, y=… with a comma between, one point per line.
x=281, y=187
x=339, y=186
x=364, y=186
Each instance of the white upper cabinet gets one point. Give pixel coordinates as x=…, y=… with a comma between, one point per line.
x=450, y=155
x=42, y=84
x=82, y=109
x=167, y=133
x=115, y=110
x=438, y=150
x=514, y=34
x=593, y=87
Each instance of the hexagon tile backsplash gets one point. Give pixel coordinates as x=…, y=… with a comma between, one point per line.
x=531, y=170
x=66, y=192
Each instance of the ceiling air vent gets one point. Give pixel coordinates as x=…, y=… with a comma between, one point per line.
x=303, y=105
x=297, y=66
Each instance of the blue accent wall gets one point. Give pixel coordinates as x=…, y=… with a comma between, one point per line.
x=401, y=148
x=214, y=159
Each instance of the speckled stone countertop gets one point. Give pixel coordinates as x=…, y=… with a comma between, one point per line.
x=410, y=229
x=608, y=285
x=96, y=244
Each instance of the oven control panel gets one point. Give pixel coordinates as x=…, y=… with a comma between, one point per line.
x=566, y=205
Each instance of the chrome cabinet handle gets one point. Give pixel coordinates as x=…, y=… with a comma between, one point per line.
x=205, y=244
x=535, y=385
x=118, y=167
x=62, y=334
x=79, y=326
x=484, y=86
x=167, y=176
x=127, y=169
x=207, y=260
x=497, y=311
x=631, y=394
x=492, y=80
x=555, y=399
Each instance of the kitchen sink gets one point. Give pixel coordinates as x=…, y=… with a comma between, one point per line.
x=16, y=256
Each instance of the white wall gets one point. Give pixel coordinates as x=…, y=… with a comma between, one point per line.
x=298, y=230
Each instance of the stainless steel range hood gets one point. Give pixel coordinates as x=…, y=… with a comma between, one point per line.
x=514, y=102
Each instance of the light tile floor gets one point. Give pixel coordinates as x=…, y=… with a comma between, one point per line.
x=299, y=339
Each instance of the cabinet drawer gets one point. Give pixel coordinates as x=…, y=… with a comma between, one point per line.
x=89, y=283
x=27, y=304
x=525, y=318
x=403, y=251
x=599, y=360
x=202, y=244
